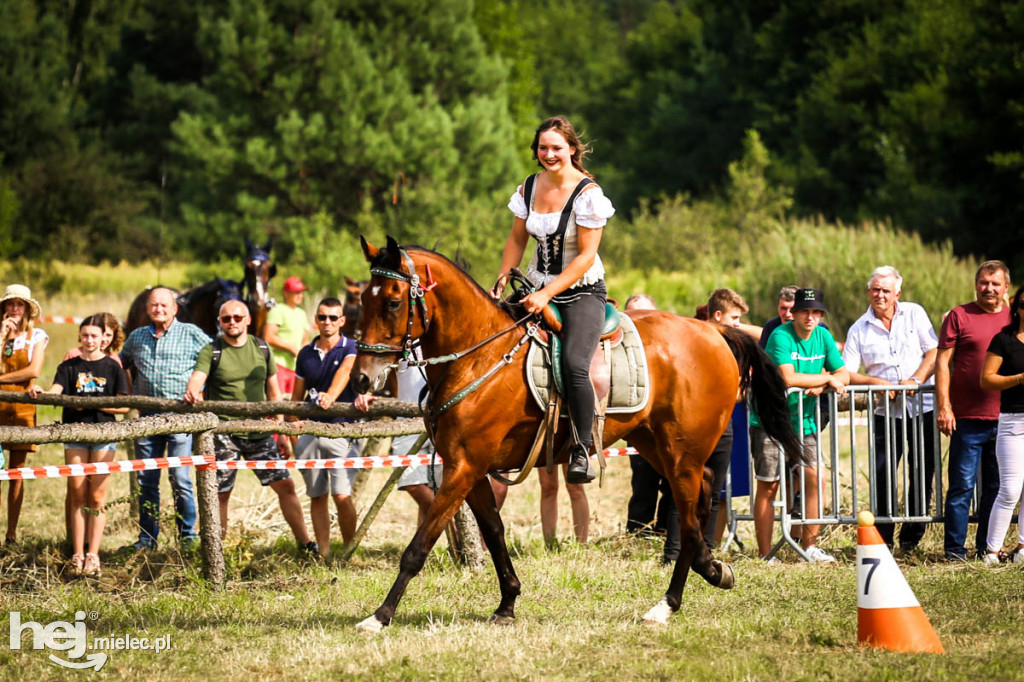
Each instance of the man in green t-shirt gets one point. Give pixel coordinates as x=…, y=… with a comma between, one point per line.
x=242, y=373
x=286, y=332
x=807, y=358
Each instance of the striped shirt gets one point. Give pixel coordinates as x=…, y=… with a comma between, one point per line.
x=163, y=364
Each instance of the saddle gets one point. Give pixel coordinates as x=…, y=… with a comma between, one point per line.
x=618, y=369
x=618, y=372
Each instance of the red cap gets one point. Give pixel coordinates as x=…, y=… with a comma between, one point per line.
x=294, y=284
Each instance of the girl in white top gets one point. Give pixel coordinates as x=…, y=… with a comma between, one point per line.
x=564, y=210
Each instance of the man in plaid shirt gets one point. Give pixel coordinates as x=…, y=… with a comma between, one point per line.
x=161, y=357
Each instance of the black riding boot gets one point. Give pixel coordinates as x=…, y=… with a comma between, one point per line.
x=579, y=466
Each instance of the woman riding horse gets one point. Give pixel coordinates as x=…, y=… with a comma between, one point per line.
x=564, y=210
x=482, y=418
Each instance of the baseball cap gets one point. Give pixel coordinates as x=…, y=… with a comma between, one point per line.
x=294, y=284
x=809, y=299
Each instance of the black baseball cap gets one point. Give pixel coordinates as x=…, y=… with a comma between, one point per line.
x=809, y=299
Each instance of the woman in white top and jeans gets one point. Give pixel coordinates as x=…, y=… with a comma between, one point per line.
x=563, y=209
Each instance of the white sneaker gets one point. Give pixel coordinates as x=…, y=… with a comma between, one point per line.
x=774, y=561
x=990, y=559
x=816, y=554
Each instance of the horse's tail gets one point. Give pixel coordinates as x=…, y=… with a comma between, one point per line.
x=761, y=380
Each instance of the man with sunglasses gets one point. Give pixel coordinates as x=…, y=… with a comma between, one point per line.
x=244, y=374
x=322, y=371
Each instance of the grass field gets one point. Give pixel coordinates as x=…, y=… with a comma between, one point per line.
x=578, y=617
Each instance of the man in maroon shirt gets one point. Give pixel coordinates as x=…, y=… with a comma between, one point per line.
x=966, y=412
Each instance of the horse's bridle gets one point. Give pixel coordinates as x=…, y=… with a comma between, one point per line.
x=417, y=301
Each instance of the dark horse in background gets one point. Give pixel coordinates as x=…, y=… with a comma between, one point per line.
x=482, y=417
x=201, y=304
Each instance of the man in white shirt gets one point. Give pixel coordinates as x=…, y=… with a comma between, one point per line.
x=896, y=344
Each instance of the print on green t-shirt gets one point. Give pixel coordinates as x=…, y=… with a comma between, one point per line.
x=807, y=357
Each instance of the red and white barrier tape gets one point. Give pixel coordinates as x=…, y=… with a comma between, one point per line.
x=88, y=469
x=55, y=319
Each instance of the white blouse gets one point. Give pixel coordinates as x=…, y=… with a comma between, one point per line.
x=592, y=209
x=39, y=339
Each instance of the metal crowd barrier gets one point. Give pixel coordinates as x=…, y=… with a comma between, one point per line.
x=896, y=485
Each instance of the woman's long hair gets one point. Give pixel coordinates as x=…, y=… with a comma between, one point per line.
x=111, y=322
x=1014, y=325
x=24, y=327
x=561, y=125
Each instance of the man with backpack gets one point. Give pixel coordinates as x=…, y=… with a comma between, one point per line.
x=239, y=367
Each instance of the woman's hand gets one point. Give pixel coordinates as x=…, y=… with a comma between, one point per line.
x=499, y=287
x=536, y=302
x=9, y=326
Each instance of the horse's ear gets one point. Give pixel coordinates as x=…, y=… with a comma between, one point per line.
x=248, y=244
x=369, y=250
x=349, y=281
x=270, y=244
x=394, y=250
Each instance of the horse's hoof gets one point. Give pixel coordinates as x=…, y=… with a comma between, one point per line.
x=659, y=614
x=370, y=626
x=728, y=579
x=495, y=619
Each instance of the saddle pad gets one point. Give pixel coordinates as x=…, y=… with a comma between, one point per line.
x=630, y=379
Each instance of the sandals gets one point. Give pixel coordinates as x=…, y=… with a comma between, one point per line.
x=77, y=563
x=92, y=565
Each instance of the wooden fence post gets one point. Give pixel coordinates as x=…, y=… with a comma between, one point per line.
x=464, y=539
x=350, y=547
x=209, y=515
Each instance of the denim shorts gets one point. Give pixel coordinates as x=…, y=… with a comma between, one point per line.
x=91, y=447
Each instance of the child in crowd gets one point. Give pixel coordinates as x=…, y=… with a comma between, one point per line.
x=113, y=339
x=91, y=373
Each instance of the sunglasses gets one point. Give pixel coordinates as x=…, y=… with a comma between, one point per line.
x=324, y=318
x=225, y=319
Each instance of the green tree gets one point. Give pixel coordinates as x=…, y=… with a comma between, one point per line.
x=327, y=106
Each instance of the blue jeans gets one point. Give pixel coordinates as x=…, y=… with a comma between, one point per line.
x=973, y=443
x=176, y=445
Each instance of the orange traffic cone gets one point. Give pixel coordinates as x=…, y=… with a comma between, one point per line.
x=888, y=614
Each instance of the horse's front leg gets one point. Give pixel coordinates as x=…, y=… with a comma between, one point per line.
x=481, y=501
x=454, y=487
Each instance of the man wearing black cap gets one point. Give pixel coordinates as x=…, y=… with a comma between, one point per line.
x=801, y=348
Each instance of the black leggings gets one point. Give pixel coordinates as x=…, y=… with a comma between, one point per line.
x=582, y=320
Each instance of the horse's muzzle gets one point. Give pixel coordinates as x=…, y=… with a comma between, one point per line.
x=360, y=382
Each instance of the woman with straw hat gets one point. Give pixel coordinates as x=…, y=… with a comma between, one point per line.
x=21, y=360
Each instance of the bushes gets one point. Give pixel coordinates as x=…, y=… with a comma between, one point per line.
x=683, y=250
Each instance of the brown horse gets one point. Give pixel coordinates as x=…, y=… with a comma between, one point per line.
x=201, y=304
x=352, y=306
x=482, y=418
